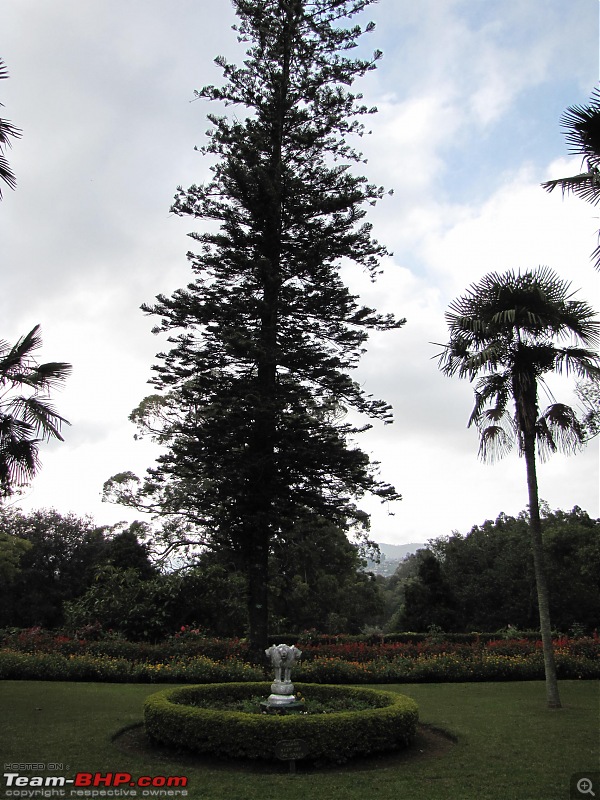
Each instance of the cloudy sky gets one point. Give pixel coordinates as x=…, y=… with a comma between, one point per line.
x=470, y=95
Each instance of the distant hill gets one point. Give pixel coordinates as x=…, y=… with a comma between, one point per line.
x=391, y=556
x=397, y=552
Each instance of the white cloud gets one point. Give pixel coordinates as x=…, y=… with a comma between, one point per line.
x=519, y=226
x=408, y=140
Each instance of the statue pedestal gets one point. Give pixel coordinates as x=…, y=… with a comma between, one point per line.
x=282, y=694
x=295, y=707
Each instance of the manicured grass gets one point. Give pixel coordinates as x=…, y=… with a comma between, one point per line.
x=508, y=745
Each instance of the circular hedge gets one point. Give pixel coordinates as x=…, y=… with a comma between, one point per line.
x=173, y=717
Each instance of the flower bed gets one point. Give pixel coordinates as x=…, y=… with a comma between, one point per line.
x=447, y=667
x=56, y=667
x=43, y=655
x=38, y=640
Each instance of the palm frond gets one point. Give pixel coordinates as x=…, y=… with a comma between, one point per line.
x=51, y=374
x=18, y=358
x=582, y=129
x=494, y=443
x=559, y=429
x=19, y=459
x=501, y=305
x=505, y=330
x=488, y=357
x=582, y=132
x=39, y=414
x=596, y=256
x=586, y=185
x=6, y=173
x=490, y=389
x=478, y=409
x=18, y=366
x=577, y=361
x=27, y=418
x=18, y=465
x=7, y=131
x=579, y=320
x=14, y=429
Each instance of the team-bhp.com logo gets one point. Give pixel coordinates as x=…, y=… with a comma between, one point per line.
x=94, y=784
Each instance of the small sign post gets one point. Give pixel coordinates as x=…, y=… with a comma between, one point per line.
x=291, y=750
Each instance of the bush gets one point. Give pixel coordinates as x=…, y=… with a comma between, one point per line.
x=172, y=718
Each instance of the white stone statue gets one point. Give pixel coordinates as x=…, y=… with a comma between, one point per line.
x=282, y=657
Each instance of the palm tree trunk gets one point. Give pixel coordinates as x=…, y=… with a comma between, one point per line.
x=535, y=527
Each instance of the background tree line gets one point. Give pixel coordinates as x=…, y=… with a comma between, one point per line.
x=58, y=571
x=485, y=581
x=61, y=570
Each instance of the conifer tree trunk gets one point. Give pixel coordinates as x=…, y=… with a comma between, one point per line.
x=266, y=419
x=257, y=572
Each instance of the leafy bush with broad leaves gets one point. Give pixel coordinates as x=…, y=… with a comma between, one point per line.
x=174, y=717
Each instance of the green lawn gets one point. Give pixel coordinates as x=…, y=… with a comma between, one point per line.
x=508, y=745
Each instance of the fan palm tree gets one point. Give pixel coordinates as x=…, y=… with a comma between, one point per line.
x=582, y=128
x=508, y=332
x=7, y=130
x=27, y=417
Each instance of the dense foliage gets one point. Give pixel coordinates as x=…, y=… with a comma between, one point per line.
x=484, y=580
x=63, y=571
x=48, y=559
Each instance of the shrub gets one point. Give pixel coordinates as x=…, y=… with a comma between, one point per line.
x=172, y=718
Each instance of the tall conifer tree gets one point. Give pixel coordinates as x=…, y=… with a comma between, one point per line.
x=264, y=339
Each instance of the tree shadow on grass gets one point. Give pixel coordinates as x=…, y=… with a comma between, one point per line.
x=430, y=742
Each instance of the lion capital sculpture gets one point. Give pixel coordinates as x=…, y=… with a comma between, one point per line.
x=283, y=657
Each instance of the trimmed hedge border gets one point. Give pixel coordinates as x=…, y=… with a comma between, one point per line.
x=172, y=719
